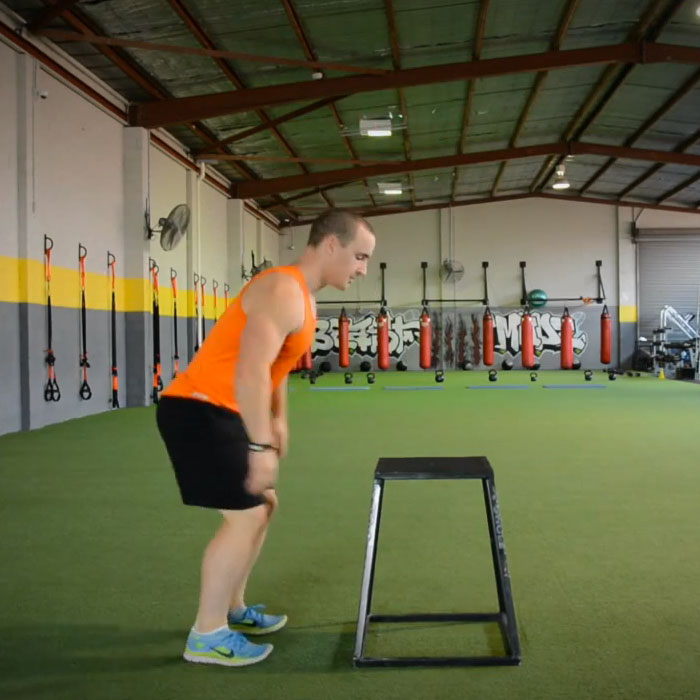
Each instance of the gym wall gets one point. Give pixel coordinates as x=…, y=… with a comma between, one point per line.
x=560, y=242
x=72, y=170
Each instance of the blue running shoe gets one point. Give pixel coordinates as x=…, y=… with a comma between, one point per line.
x=251, y=620
x=224, y=647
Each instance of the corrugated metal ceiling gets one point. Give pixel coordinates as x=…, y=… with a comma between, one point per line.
x=428, y=119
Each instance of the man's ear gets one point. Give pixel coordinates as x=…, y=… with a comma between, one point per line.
x=331, y=243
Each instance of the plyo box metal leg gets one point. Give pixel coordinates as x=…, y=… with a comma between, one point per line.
x=370, y=562
x=439, y=468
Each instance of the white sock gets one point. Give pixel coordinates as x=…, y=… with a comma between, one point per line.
x=206, y=634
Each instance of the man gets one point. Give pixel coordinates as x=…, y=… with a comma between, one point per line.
x=224, y=423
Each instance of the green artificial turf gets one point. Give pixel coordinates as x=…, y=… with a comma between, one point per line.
x=599, y=500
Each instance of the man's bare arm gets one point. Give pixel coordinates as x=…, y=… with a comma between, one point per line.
x=274, y=307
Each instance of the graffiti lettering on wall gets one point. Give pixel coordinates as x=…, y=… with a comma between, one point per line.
x=405, y=330
x=547, y=332
x=363, y=335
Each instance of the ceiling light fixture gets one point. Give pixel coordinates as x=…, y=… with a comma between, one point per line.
x=560, y=181
x=390, y=188
x=375, y=127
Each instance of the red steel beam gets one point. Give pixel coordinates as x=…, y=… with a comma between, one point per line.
x=381, y=211
x=183, y=109
x=286, y=184
x=295, y=182
x=281, y=159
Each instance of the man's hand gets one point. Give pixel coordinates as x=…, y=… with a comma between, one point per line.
x=280, y=434
x=262, y=471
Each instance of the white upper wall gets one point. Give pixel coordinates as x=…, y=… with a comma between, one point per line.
x=270, y=243
x=8, y=152
x=560, y=241
x=78, y=172
x=168, y=188
x=214, y=242
x=250, y=239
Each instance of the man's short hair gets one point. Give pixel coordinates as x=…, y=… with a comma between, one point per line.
x=343, y=224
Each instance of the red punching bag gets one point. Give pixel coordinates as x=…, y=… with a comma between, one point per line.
x=344, y=339
x=383, y=339
x=605, y=337
x=567, y=340
x=426, y=336
x=488, y=337
x=527, y=341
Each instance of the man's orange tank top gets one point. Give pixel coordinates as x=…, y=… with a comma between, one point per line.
x=211, y=376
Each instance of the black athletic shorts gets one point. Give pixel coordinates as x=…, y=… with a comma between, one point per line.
x=208, y=448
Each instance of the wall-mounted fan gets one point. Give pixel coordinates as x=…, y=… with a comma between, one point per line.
x=172, y=229
x=452, y=270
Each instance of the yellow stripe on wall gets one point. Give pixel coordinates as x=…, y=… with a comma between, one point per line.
x=24, y=281
x=628, y=314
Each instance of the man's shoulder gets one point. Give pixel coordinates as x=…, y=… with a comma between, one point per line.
x=277, y=280
x=275, y=291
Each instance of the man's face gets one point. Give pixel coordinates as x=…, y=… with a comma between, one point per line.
x=350, y=262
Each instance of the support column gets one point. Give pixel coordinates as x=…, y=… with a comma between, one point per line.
x=139, y=376
x=194, y=258
x=31, y=337
x=627, y=289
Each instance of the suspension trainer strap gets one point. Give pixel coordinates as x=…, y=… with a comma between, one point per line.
x=196, y=312
x=111, y=264
x=85, y=390
x=176, y=356
x=51, y=391
x=202, y=282
x=157, y=381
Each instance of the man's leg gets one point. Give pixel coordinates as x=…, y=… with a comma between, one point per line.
x=227, y=562
x=239, y=585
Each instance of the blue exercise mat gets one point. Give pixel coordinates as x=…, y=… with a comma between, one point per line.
x=413, y=388
x=502, y=388
x=339, y=388
x=575, y=386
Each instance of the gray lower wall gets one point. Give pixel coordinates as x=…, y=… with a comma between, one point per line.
x=10, y=393
x=23, y=344
x=628, y=343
